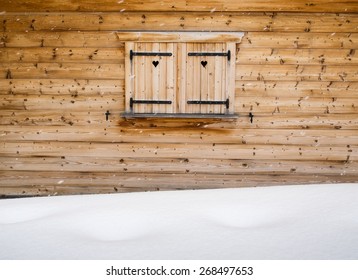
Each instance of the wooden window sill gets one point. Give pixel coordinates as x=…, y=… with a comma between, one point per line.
x=227, y=117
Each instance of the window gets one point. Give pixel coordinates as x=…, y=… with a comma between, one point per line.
x=184, y=76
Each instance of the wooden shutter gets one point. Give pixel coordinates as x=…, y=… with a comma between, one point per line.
x=181, y=77
x=210, y=78
x=151, y=77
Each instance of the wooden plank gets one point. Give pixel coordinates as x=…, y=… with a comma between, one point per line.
x=138, y=63
x=108, y=39
x=61, y=87
x=71, y=39
x=337, y=6
x=298, y=73
x=61, y=71
x=197, y=80
x=156, y=77
x=189, y=86
x=64, y=117
x=231, y=77
x=306, y=40
x=144, y=79
x=188, y=21
x=204, y=77
x=55, y=183
x=62, y=102
x=308, y=22
x=10, y=192
x=150, y=88
x=311, y=105
x=169, y=150
x=128, y=76
x=183, y=69
x=193, y=85
x=95, y=116
x=180, y=37
x=263, y=120
x=297, y=89
x=269, y=120
x=165, y=78
x=96, y=133
x=217, y=88
x=171, y=71
x=297, y=56
x=179, y=166
x=130, y=186
x=62, y=55
x=211, y=79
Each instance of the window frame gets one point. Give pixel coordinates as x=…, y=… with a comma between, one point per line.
x=228, y=38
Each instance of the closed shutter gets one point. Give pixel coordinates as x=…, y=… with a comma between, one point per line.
x=191, y=78
x=152, y=77
x=210, y=78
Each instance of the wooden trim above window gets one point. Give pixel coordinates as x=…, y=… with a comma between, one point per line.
x=180, y=37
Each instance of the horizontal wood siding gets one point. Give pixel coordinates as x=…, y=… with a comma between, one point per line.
x=62, y=68
x=181, y=5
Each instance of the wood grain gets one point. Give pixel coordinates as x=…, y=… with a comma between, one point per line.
x=337, y=6
x=62, y=67
x=180, y=21
x=169, y=150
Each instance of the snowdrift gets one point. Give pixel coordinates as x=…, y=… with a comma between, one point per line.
x=286, y=222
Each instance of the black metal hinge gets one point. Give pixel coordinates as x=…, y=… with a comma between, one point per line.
x=136, y=101
x=226, y=102
x=228, y=54
x=132, y=53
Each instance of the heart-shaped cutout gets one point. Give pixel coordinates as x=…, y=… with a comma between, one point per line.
x=204, y=63
x=155, y=63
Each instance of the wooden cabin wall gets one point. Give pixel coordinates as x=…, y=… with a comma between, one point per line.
x=62, y=68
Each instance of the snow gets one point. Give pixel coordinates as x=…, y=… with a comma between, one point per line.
x=286, y=222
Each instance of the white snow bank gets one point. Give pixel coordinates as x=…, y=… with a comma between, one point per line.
x=289, y=222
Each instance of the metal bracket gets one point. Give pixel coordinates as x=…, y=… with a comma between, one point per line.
x=107, y=115
x=133, y=101
x=132, y=53
x=251, y=116
x=226, y=102
x=228, y=54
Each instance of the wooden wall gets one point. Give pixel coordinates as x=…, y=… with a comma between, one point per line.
x=62, y=68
